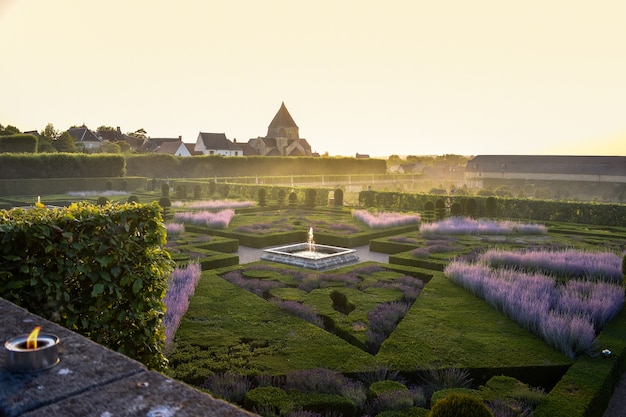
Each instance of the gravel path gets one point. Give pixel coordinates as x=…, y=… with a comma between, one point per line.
x=617, y=405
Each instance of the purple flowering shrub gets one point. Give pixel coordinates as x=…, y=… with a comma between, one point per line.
x=181, y=286
x=564, y=263
x=382, y=321
x=257, y=286
x=175, y=228
x=305, y=312
x=469, y=226
x=567, y=316
x=383, y=220
x=213, y=204
x=215, y=220
x=229, y=387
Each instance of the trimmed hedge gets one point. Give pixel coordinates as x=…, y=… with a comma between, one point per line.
x=18, y=143
x=605, y=214
x=61, y=165
x=99, y=271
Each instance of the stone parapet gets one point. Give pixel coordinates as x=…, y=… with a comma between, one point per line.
x=91, y=380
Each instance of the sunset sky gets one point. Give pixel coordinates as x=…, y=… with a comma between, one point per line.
x=414, y=77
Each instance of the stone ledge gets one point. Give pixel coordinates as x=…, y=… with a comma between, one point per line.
x=91, y=380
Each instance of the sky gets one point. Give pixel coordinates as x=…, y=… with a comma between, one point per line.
x=402, y=77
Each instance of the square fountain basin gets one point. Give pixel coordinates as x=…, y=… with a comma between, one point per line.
x=321, y=257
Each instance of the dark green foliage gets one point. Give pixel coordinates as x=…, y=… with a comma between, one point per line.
x=311, y=198
x=293, y=199
x=442, y=393
x=108, y=185
x=471, y=208
x=491, y=206
x=323, y=403
x=429, y=211
x=152, y=165
x=624, y=266
x=181, y=191
x=197, y=191
x=102, y=201
x=267, y=398
x=61, y=165
x=132, y=199
x=124, y=185
x=381, y=387
x=460, y=405
x=212, y=188
x=406, y=412
x=367, y=198
x=166, y=205
x=339, y=197
x=18, y=144
x=262, y=197
x=456, y=209
x=224, y=190
x=100, y=271
x=165, y=190
x=281, y=197
x=440, y=209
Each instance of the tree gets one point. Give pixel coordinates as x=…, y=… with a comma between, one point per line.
x=9, y=130
x=111, y=147
x=65, y=143
x=50, y=133
x=139, y=133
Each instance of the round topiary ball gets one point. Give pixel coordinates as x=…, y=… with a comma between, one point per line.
x=460, y=405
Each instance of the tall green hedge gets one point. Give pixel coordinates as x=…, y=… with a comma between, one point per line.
x=100, y=271
x=61, y=165
x=18, y=143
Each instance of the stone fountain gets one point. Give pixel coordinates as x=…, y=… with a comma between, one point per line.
x=311, y=255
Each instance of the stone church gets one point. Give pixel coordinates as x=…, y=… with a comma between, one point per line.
x=282, y=139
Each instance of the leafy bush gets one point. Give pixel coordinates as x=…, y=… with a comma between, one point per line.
x=338, y=195
x=262, y=197
x=100, y=271
x=230, y=387
x=457, y=404
x=20, y=143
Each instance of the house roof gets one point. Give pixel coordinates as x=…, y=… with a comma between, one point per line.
x=83, y=134
x=548, y=164
x=168, y=147
x=218, y=141
x=152, y=144
x=282, y=118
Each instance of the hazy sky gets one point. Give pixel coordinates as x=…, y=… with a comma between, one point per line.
x=397, y=77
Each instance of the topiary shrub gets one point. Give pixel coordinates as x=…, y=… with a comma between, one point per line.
x=471, y=208
x=339, y=197
x=197, y=191
x=262, y=197
x=429, y=211
x=456, y=209
x=108, y=185
x=165, y=203
x=491, y=206
x=102, y=201
x=311, y=198
x=281, y=197
x=165, y=190
x=460, y=405
x=293, y=199
x=267, y=398
x=132, y=199
x=440, y=209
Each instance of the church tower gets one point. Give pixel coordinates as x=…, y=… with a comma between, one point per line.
x=283, y=126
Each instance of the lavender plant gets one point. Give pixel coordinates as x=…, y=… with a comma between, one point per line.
x=384, y=220
x=300, y=310
x=382, y=320
x=175, y=228
x=213, y=204
x=564, y=263
x=217, y=220
x=469, y=226
x=229, y=387
x=566, y=316
x=181, y=286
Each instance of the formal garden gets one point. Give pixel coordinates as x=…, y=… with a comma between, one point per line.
x=493, y=315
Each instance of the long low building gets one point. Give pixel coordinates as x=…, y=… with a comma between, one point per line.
x=545, y=168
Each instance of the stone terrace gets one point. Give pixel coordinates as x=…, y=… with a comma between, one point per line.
x=91, y=380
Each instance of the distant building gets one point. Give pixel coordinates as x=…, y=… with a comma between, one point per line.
x=216, y=144
x=85, y=138
x=177, y=148
x=543, y=167
x=282, y=139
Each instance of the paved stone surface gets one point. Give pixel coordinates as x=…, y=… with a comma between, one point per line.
x=92, y=380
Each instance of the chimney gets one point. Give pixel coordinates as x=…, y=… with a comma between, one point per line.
x=180, y=138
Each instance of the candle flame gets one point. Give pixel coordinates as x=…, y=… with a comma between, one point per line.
x=31, y=341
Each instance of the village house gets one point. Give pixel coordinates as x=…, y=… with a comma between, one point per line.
x=216, y=144
x=84, y=138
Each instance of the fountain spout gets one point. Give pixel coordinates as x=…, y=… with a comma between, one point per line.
x=310, y=242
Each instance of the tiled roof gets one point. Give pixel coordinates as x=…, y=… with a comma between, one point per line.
x=218, y=141
x=282, y=118
x=83, y=134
